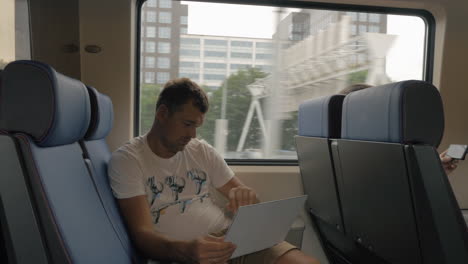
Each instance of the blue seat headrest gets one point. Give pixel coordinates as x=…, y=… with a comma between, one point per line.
x=321, y=117
x=407, y=112
x=50, y=107
x=102, y=115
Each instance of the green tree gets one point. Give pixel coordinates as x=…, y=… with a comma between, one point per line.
x=358, y=77
x=148, y=96
x=238, y=102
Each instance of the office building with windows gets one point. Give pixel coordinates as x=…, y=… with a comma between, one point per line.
x=209, y=60
x=162, y=23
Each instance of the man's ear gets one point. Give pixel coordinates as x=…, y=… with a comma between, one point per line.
x=162, y=113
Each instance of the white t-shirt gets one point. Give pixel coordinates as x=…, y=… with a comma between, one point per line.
x=176, y=188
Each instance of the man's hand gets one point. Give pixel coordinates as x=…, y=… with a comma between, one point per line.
x=448, y=163
x=239, y=196
x=210, y=250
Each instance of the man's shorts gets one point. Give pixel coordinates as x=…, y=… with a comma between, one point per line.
x=266, y=256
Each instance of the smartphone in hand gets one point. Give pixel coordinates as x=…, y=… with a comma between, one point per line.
x=456, y=151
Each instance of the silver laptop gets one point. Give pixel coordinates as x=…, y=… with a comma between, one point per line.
x=263, y=225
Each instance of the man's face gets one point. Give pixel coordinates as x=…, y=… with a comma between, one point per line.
x=179, y=127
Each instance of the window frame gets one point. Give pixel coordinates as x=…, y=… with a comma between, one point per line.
x=428, y=59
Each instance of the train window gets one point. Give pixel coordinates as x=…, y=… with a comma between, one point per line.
x=258, y=63
x=14, y=32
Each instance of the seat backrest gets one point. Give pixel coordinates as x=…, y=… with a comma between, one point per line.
x=97, y=155
x=46, y=113
x=319, y=120
x=397, y=203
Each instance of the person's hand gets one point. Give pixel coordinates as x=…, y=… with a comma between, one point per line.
x=210, y=250
x=448, y=163
x=240, y=196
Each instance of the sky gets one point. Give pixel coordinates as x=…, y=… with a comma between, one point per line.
x=404, y=59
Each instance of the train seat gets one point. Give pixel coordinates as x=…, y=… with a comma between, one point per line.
x=397, y=202
x=97, y=155
x=45, y=114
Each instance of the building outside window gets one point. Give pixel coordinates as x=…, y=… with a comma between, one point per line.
x=164, y=47
x=151, y=3
x=150, y=32
x=375, y=18
x=162, y=77
x=189, y=53
x=218, y=54
x=243, y=55
x=150, y=16
x=183, y=30
x=211, y=65
x=183, y=20
x=149, y=77
x=189, y=64
x=363, y=17
x=164, y=63
x=165, y=17
x=236, y=43
x=149, y=62
x=150, y=46
x=164, y=32
x=165, y=3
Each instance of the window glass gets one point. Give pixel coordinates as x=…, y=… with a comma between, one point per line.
x=164, y=47
x=150, y=46
x=164, y=62
x=151, y=3
x=165, y=17
x=165, y=3
x=220, y=54
x=164, y=32
x=150, y=16
x=183, y=20
x=150, y=32
x=243, y=55
x=162, y=77
x=215, y=42
x=274, y=58
x=189, y=53
x=215, y=65
x=149, y=62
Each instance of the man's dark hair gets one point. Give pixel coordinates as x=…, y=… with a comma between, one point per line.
x=354, y=87
x=179, y=91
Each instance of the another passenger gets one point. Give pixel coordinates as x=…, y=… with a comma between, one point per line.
x=448, y=163
x=162, y=180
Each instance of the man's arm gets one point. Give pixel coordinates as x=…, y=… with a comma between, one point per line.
x=238, y=194
x=206, y=249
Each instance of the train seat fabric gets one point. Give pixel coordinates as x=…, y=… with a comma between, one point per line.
x=396, y=199
x=97, y=152
x=320, y=119
x=403, y=112
x=47, y=113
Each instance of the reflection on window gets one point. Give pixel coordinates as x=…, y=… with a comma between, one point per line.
x=241, y=56
x=151, y=3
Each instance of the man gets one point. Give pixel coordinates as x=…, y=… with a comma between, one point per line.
x=448, y=163
x=161, y=182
